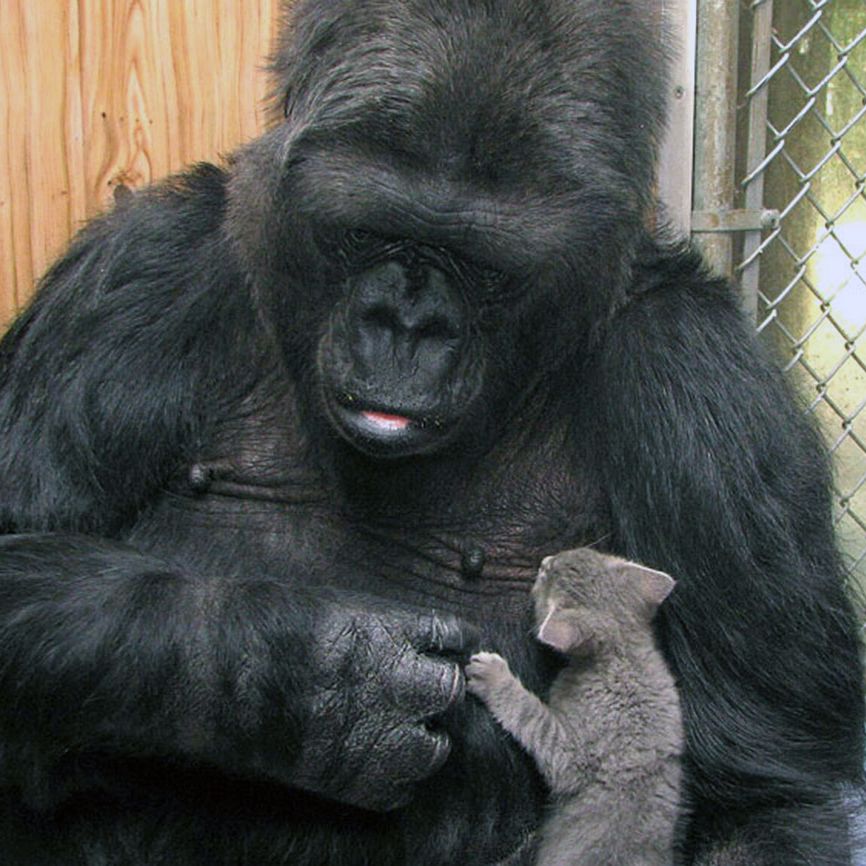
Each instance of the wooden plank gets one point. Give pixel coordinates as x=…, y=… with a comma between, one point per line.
x=36, y=213
x=97, y=93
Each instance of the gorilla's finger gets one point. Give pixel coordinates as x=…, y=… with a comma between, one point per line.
x=421, y=754
x=428, y=687
x=444, y=635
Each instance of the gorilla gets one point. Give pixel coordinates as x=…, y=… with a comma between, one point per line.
x=285, y=440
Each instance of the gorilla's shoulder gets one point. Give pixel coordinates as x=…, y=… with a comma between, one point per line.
x=670, y=271
x=677, y=307
x=160, y=237
x=162, y=249
x=181, y=207
x=665, y=261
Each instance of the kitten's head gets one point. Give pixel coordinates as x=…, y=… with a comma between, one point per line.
x=583, y=598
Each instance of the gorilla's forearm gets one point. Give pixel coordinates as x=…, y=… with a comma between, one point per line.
x=107, y=655
x=105, y=652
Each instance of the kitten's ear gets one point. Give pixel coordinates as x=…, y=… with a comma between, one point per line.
x=655, y=586
x=559, y=632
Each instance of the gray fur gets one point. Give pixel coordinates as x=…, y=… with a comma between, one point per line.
x=608, y=741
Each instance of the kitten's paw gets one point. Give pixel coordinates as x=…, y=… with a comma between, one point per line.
x=485, y=673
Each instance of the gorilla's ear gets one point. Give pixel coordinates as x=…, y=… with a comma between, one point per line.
x=654, y=586
x=561, y=631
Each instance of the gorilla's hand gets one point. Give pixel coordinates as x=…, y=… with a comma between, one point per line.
x=378, y=679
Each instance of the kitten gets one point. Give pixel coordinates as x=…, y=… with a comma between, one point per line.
x=609, y=740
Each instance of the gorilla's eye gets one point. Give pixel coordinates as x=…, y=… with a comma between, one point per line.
x=360, y=248
x=483, y=283
x=358, y=240
x=492, y=285
x=488, y=286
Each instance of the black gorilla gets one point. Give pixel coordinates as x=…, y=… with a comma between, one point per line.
x=283, y=441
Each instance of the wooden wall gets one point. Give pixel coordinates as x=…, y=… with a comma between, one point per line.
x=97, y=93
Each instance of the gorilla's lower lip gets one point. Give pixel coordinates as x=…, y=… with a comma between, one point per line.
x=384, y=425
x=385, y=433
x=384, y=421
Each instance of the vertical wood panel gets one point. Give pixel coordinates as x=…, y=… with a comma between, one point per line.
x=96, y=93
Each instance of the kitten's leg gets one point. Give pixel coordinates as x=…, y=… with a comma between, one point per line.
x=533, y=724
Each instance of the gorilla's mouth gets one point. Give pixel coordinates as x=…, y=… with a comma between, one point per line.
x=386, y=432
x=382, y=421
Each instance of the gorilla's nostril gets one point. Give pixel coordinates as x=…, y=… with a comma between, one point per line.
x=436, y=329
x=381, y=317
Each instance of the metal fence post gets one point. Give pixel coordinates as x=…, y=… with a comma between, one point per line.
x=756, y=158
x=716, y=124
x=675, y=164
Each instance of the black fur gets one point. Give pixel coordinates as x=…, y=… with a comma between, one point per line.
x=233, y=608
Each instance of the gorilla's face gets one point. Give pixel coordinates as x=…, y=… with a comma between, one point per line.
x=422, y=315
x=401, y=363
x=449, y=208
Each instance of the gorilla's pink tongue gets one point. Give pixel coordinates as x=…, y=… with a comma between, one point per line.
x=386, y=422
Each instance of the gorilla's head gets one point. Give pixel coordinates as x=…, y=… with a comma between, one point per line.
x=448, y=206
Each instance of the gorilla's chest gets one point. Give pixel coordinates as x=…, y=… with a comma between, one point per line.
x=467, y=543
x=464, y=539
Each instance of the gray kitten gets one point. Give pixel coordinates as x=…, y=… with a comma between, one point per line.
x=609, y=740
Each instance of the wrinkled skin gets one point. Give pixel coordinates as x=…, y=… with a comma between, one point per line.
x=396, y=690
x=284, y=442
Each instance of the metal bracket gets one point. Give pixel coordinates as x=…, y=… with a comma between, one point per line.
x=711, y=221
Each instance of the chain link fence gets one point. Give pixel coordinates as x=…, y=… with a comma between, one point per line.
x=793, y=226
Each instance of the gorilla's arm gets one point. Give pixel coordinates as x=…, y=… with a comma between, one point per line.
x=716, y=476
x=108, y=655
x=106, y=383
x=106, y=378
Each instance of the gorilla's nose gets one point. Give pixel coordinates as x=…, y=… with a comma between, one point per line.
x=408, y=318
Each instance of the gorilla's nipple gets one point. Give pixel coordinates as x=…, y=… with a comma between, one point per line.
x=472, y=559
x=200, y=477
